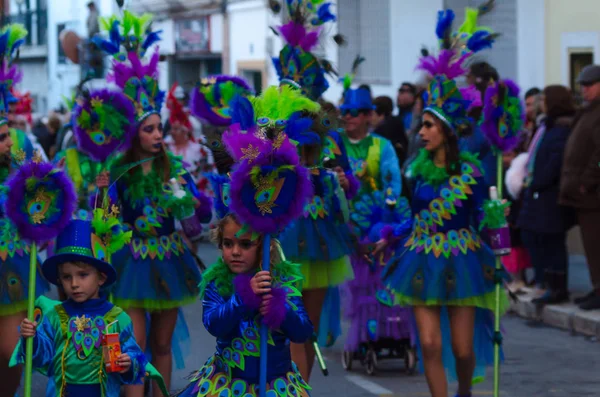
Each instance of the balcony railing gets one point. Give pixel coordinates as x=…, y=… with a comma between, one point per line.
x=36, y=23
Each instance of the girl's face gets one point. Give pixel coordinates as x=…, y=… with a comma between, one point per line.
x=432, y=135
x=151, y=134
x=240, y=253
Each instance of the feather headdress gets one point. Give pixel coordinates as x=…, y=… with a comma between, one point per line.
x=11, y=38
x=443, y=98
x=296, y=65
x=129, y=38
x=211, y=99
x=177, y=113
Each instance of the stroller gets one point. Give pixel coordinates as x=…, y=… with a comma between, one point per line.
x=379, y=329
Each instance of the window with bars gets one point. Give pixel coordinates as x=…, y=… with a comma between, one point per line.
x=502, y=19
x=366, y=27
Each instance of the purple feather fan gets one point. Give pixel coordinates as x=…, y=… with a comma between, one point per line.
x=41, y=200
x=277, y=310
x=104, y=124
x=216, y=109
x=295, y=35
x=503, y=115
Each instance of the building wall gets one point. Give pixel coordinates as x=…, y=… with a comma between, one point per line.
x=531, y=32
x=570, y=25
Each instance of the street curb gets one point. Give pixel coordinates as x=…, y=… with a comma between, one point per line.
x=566, y=316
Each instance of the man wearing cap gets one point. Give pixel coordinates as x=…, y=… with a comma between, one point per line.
x=580, y=181
x=372, y=158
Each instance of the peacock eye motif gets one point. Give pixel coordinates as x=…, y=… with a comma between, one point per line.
x=267, y=192
x=38, y=207
x=263, y=121
x=99, y=137
x=99, y=249
x=281, y=123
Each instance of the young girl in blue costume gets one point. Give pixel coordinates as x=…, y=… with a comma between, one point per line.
x=320, y=240
x=14, y=252
x=67, y=345
x=157, y=273
x=232, y=309
x=443, y=269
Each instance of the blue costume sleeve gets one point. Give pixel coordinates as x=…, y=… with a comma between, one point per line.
x=204, y=211
x=43, y=348
x=130, y=347
x=220, y=316
x=296, y=325
x=390, y=168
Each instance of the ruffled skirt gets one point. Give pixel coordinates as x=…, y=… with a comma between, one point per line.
x=214, y=380
x=14, y=282
x=155, y=274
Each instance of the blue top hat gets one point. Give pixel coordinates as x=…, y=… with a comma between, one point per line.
x=359, y=99
x=79, y=243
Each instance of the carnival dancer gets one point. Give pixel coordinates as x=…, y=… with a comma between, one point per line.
x=268, y=189
x=14, y=252
x=443, y=268
x=70, y=338
x=320, y=240
x=156, y=271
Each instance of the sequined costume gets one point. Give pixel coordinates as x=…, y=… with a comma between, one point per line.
x=156, y=270
x=440, y=258
x=67, y=348
x=230, y=314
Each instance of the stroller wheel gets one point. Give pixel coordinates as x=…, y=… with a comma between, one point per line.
x=410, y=360
x=371, y=362
x=347, y=360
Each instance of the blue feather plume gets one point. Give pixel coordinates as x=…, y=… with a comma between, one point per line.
x=4, y=42
x=16, y=45
x=444, y=24
x=105, y=45
x=242, y=112
x=298, y=129
x=324, y=14
x=114, y=35
x=480, y=40
x=153, y=37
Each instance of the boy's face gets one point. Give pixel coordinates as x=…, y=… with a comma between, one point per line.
x=80, y=281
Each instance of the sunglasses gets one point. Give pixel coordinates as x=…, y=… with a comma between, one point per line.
x=352, y=112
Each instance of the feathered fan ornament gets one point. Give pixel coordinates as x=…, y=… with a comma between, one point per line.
x=40, y=202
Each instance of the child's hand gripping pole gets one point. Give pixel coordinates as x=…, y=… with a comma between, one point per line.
x=264, y=336
x=30, y=309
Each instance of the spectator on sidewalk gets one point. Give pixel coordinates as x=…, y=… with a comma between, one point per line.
x=407, y=94
x=543, y=222
x=533, y=111
x=580, y=182
x=389, y=127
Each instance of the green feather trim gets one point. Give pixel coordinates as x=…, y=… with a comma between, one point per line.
x=17, y=32
x=279, y=103
x=181, y=208
x=424, y=167
x=348, y=78
x=493, y=214
x=220, y=274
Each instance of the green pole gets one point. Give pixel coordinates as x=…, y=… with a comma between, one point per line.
x=499, y=184
x=30, y=308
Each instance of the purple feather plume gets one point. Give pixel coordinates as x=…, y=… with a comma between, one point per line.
x=10, y=72
x=492, y=114
x=472, y=95
x=236, y=140
x=122, y=72
x=295, y=35
x=242, y=287
x=53, y=181
x=444, y=64
x=113, y=141
x=277, y=309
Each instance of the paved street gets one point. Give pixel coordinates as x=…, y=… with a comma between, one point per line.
x=541, y=362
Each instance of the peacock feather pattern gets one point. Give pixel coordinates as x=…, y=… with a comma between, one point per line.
x=86, y=334
x=453, y=193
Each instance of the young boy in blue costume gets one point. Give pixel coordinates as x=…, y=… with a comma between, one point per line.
x=68, y=335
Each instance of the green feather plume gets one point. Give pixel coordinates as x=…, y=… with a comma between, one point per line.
x=108, y=227
x=279, y=103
